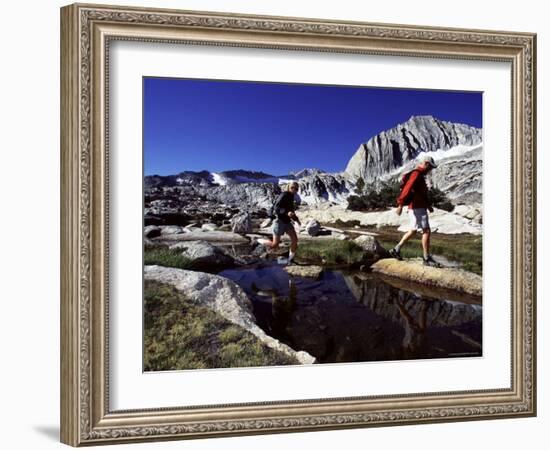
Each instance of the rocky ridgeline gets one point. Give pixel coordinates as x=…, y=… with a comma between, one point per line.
x=166, y=197
x=244, y=195
x=324, y=188
x=390, y=150
x=461, y=178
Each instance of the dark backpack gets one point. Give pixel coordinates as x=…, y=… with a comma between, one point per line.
x=273, y=212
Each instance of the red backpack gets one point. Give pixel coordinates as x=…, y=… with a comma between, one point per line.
x=402, y=184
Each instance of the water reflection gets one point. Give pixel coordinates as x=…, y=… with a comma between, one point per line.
x=351, y=317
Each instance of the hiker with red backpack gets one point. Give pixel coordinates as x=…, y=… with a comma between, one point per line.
x=414, y=195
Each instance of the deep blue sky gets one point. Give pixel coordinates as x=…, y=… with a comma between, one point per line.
x=277, y=128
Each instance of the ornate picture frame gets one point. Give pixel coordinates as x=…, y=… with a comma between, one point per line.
x=87, y=31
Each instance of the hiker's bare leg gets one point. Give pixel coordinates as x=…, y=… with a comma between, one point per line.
x=409, y=234
x=293, y=239
x=275, y=242
x=293, y=243
x=426, y=241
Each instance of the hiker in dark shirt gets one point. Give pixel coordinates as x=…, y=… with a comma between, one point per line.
x=414, y=194
x=284, y=211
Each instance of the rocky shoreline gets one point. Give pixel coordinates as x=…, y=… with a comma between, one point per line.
x=225, y=298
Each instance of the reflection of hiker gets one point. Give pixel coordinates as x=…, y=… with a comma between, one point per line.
x=284, y=213
x=282, y=308
x=415, y=329
x=414, y=194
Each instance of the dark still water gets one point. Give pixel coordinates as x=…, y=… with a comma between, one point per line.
x=356, y=316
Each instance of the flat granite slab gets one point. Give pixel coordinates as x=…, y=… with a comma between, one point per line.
x=210, y=236
x=304, y=271
x=447, y=277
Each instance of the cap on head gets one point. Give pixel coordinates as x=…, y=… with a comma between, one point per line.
x=428, y=159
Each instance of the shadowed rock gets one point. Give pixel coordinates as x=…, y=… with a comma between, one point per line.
x=371, y=246
x=241, y=223
x=204, y=255
x=151, y=231
x=313, y=227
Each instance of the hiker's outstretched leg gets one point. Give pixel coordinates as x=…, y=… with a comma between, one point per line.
x=272, y=244
x=396, y=251
x=409, y=234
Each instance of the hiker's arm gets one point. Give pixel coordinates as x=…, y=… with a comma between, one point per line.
x=294, y=217
x=407, y=188
x=292, y=211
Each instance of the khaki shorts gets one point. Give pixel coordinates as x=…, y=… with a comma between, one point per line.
x=279, y=227
x=419, y=219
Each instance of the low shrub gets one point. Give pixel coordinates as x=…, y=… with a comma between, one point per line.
x=383, y=195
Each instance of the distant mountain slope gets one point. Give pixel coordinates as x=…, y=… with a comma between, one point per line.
x=237, y=187
x=393, y=148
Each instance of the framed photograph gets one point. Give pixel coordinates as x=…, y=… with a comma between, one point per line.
x=278, y=224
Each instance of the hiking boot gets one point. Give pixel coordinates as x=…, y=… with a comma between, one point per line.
x=394, y=253
x=429, y=261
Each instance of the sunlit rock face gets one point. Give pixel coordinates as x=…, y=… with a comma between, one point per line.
x=393, y=148
x=240, y=189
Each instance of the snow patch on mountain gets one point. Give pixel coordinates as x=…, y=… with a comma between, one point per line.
x=458, y=151
x=218, y=179
x=440, y=156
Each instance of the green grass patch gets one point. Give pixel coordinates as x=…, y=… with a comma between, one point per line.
x=182, y=335
x=164, y=256
x=464, y=248
x=331, y=251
